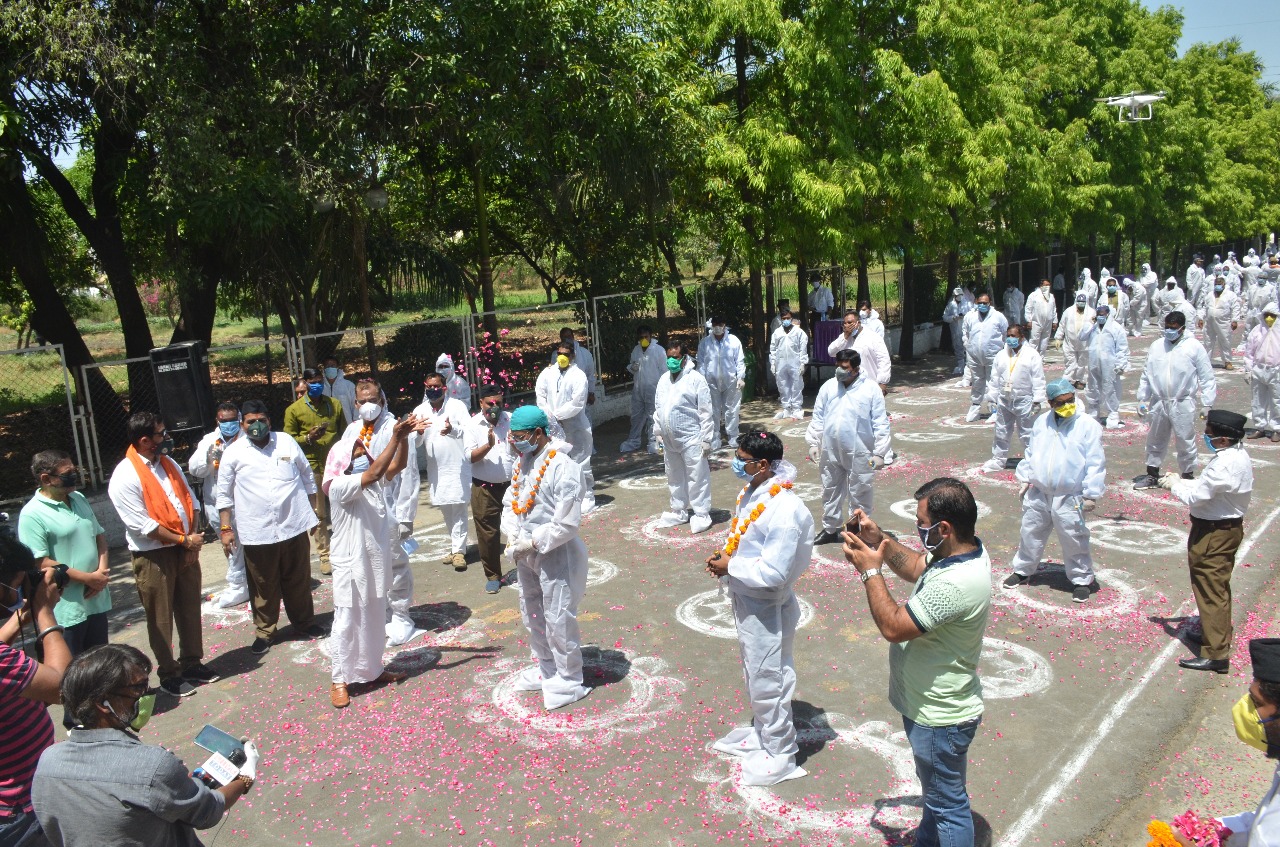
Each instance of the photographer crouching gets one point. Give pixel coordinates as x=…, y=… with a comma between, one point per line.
x=104, y=786
x=27, y=686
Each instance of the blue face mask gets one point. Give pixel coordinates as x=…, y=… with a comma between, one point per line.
x=740, y=468
x=786, y=322
x=228, y=429
x=1172, y=335
x=522, y=445
x=1013, y=342
x=1111, y=289
x=330, y=373
x=983, y=308
x=360, y=464
x=1208, y=442
x=315, y=389
x=1102, y=320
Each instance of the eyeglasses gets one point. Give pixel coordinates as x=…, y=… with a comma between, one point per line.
x=160, y=436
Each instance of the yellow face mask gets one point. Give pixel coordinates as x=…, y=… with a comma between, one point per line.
x=563, y=361
x=644, y=343
x=1065, y=411
x=1269, y=320
x=1245, y=716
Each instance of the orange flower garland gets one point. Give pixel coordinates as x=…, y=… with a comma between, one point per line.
x=366, y=434
x=217, y=443
x=735, y=531
x=537, y=483
x=1161, y=835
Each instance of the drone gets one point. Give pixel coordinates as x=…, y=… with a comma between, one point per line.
x=1137, y=104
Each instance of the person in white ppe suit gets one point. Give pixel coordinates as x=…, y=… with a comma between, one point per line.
x=849, y=438
x=1076, y=320
x=682, y=418
x=1138, y=309
x=648, y=364
x=374, y=426
x=1261, y=295
x=448, y=465
x=1041, y=313
x=1087, y=284
x=1015, y=393
x=769, y=546
x=1115, y=297
x=203, y=465
x=877, y=365
x=870, y=319
x=456, y=387
x=788, y=354
x=821, y=301
x=984, y=330
x=1150, y=281
x=1014, y=302
x=541, y=517
x=1063, y=473
x=1108, y=360
x=337, y=386
x=1220, y=317
x=1194, y=279
x=561, y=392
x=1262, y=370
x=1177, y=366
x=1170, y=299
x=954, y=315
x=583, y=359
x=721, y=363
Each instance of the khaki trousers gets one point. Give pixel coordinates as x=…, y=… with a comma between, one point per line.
x=280, y=571
x=486, y=513
x=169, y=589
x=1211, y=556
x=322, y=512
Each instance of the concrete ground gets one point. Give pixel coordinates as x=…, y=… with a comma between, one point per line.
x=1090, y=730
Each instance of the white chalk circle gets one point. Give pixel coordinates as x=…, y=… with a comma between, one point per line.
x=711, y=613
x=432, y=547
x=647, y=482
x=1125, y=599
x=647, y=532
x=653, y=694
x=927, y=437
x=221, y=618
x=795, y=432
x=1009, y=670
x=958, y=422
x=599, y=571
x=1136, y=537
x=920, y=400
x=907, y=509
x=807, y=491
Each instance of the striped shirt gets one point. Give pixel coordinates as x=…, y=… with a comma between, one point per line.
x=28, y=730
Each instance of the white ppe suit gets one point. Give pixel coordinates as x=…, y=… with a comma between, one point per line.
x=1167, y=389
x=1150, y=281
x=1263, y=293
x=1220, y=314
x=1014, y=303
x=237, y=590
x=1089, y=286
x=954, y=316
x=1016, y=386
x=1072, y=327
x=1042, y=313
x=1064, y=465
x=682, y=418
x=448, y=467
x=456, y=388
x=721, y=363
x=788, y=354
x=647, y=366
x=1138, y=308
x=1194, y=283
x=983, y=339
x=849, y=426
x=1166, y=300
x=562, y=395
x=1119, y=303
x=1108, y=360
x=1262, y=365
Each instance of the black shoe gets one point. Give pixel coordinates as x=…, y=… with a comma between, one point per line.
x=827, y=538
x=260, y=646
x=1145, y=481
x=1013, y=580
x=1080, y=594
x=315, y=631
x=1188, y=476
x=177, y=686
x=1215, y=665
x=201, y=674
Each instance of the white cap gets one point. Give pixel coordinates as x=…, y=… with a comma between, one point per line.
x=1171, y=279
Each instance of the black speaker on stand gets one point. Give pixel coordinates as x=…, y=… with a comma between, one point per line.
x=186, y=399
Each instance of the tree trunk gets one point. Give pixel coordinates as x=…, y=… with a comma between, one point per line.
x=1155, y=258
x=864, y=279
x=1117, y=251
x=802, y=293
x=1093, y=252
x=953, y=270
x=199, y=301
x=770, y=290
x=906, y=294
x=1133, y=252
x=484, y=274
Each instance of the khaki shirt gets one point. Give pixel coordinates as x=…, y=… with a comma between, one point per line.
x=303, y=414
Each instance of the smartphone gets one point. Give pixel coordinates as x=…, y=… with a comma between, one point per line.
x=852, y=526
x=216, y=741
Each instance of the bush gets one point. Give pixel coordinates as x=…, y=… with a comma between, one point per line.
x=411, y=354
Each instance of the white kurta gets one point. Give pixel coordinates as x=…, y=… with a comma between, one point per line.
x=448, y=468
x=344, y=391
x=237, y=590
x=1259, y=828
x=362, y=526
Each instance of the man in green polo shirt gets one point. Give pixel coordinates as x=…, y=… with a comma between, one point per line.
x=935, y=642
x=316, y=422
x=59, y=526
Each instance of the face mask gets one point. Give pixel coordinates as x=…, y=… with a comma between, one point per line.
x=1065, y=411
x=847, y=377
x=786, y=322
x=1249, y=727
x=674, y=365
x=165, y=447
x=563, y=361
x=1079, y=307
x=1269, y=320
x=17, y=606
x=315, y=389
x=360, y=464
x=492, y=414
x=740, y=468
x=434, y=393
x=445, y=371
x=1172, y=285
x=228, y=429
x=644, y=343
x=522, y=445
x=142, y=710
x=70, y=479
x=1102, y=320
x=1172, y=335
x=259, y=430
x=1044, y=289
x=1217, y=289
x=1208, y=442
x=983, y=308
x=717, y=331
x=330, y=374
x=864, y=314
x=1111, y=289
x=1013, y=342
x=923, y=532
x=369, y=412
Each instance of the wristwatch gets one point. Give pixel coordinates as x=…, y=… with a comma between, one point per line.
x=866, y=575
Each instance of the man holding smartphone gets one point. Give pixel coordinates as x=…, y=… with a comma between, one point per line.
x=315, y=421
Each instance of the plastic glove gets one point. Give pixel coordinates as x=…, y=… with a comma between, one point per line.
x=742, y=383
x=406, y=529
x=1166, y=482
x=815, y=453
x=1248, y=377
x=250, y=766
x=1036, y=408
x=1057, y=345
x=520, y=548
x=1022, y=492
x=1088, y=504
x=1142, y=410
x=877, y=462
x=706, y=448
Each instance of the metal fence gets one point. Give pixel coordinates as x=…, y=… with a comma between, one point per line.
x=36, y=413
x=673, y=314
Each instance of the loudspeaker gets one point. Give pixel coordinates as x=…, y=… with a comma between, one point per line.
x=183, y=386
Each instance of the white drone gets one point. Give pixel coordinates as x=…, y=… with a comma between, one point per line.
x=1138, y=105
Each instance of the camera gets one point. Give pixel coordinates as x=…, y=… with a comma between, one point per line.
x=60, y=576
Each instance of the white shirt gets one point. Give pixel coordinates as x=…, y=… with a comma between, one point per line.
x=448, y=468
x=498, y=463
x=268, y=487
x=125, y=491
x=821, y=299
x=876, y=364
x=360, y=539
x=344, y=391
x=776, y=549
x=1223, y=488
x=199, y=467
x=1065, y=457
x=720, y=359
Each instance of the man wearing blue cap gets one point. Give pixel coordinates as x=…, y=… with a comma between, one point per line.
x=541, y=514
x=1063, y=472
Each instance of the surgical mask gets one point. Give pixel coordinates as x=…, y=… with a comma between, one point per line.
x=70, y=479
x=740, y=468
x=864, y=314
x=17, y=606
x=1065, y=411
x=644, y=343
x=228, y=429
x=1013, y=342
x=1250, y=728
x=434, y=393
x=522, y=445
x=369, y=412
x=562, y=361
x=1079, y=306
x=1101, y=319
x=983, y=308
x=445, y=371
x=923, y=532
x=1172, y=335
x=847, y=377
x=142, y=709
x=1269, y=320
x=674, y=364
x=492, y=414
x=1044, y=289
x=786, y=322
x=1217, y=289
x=331, y=374
x=1111, y=289
x=315, y=389
x=717, y=331
x=259, y=430
x=360, y=464
x=1208, y=442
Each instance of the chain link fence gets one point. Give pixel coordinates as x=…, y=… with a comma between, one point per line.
x=36, y=414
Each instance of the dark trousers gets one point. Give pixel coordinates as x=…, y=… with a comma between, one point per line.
x=486, y=512
x=168, y=582
x=280, y=571
x=1211, y=556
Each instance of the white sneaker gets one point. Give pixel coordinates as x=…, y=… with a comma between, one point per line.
x=561, y=699
x=993, y=466
x=782, y=413
x=739, y=742
x=699, y=523
x=530, y=679
x=1114, y=424
x=588, y=505
x=973, y=414
x=668, y=519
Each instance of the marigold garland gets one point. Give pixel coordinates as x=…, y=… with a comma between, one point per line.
x=537, y=483
x=735, y=531
x=366, y=434
x=1161, y=835
x=217, y=443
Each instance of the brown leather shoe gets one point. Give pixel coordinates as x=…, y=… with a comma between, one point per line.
x=459, y=562
x=325, y=567
x=389, y=677
x=338, y=695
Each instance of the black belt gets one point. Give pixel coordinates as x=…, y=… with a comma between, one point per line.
x=489, y=485
x=1224, y=523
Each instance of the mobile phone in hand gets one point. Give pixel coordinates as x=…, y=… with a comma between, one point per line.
x=853, y=526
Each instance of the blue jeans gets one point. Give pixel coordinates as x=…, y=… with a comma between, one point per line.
x=941, y=754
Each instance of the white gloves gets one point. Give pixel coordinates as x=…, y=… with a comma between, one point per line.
x=815, y=453
x=520, y=548
x=706, y=448
x=1022, y=492
x=406, y=529
x=1088, y=504
x=741, y=384
x=1035, y=408
x=1166, y=482
x=250, y=766
x=877, y=462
